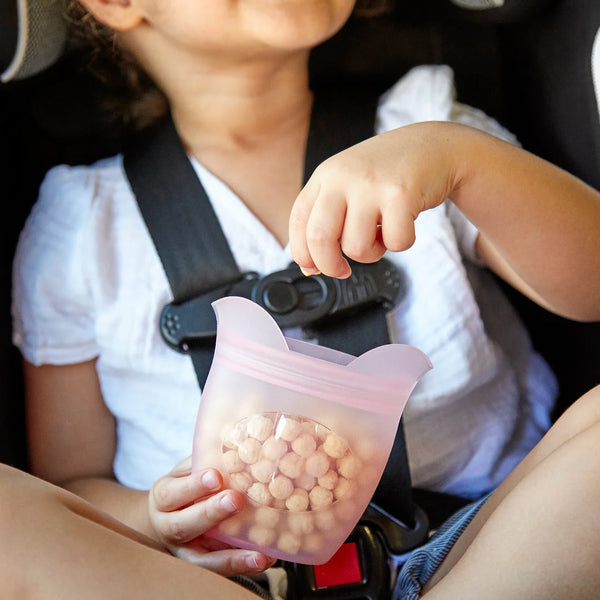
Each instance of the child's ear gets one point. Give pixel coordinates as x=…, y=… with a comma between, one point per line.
x=120, y=15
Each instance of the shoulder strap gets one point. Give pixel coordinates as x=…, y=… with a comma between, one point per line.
x=340, y=119
x=197, y=258
x=179, y=216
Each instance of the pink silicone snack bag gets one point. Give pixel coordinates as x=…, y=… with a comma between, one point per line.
x=304, y=431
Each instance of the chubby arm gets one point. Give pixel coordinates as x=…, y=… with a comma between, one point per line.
x=72, y=442
x=71, y=433
x=72, y=438
x=539, y=226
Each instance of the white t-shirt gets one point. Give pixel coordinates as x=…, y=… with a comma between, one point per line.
x=89, y=283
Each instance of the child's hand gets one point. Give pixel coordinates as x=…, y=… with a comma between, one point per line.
x=183, y=506
x=365, y=199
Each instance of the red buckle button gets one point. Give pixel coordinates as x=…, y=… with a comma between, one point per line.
x=342, y=568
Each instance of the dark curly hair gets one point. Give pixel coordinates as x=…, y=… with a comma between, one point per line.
x=131, y=100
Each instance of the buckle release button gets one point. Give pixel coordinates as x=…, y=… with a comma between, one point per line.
x=342, y=568
x=280, y=297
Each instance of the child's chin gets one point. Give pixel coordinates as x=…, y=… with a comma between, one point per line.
x=301, y=24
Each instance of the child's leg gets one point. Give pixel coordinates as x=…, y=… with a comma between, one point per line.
x=55, y=545
x=538, y=536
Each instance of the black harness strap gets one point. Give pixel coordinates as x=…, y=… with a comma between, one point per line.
x=183, y=226
x=198, y=261
x=394, y=491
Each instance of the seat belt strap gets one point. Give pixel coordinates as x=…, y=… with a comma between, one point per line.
x=184, y=228
x=340, y=119
x=181, y=221
x=198, y=261
x=370, y=324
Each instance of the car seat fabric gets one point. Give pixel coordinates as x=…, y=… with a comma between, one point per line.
x=12, y=428
x=551, y=100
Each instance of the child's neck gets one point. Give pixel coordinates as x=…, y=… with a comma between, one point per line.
x=251, y=132
x=244, y=103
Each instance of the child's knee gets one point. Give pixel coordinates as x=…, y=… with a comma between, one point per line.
x=584, y=412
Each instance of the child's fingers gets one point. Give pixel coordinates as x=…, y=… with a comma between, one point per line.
x=324, y=231
x=299, y=216
x=172, y=492
x=397, y=228
x=228, y=562
x=399, y=235
x=181, y=526
x=360, y=240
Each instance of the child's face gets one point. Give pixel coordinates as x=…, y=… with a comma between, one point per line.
x=224, y=26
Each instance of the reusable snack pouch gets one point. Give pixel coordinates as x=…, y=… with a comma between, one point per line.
x=303, y=430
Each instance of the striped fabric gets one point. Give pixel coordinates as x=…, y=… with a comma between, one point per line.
x=424, y=561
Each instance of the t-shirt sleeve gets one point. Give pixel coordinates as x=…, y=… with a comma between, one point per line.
x=427, y=93
x=52, y=303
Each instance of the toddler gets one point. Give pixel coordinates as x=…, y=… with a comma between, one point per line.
x=111, y=408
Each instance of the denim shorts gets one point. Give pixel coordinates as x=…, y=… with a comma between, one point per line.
x=424, y=561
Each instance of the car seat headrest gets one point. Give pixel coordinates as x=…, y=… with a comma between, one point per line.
x=35, y=33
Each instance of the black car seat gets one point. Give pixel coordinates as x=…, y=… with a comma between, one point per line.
x=527, y=63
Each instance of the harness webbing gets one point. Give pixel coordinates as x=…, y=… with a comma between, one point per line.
x=197, y=259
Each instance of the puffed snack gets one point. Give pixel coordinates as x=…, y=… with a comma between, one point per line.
x=295, y=471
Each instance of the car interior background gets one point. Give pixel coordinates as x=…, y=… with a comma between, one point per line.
x=527, y=63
